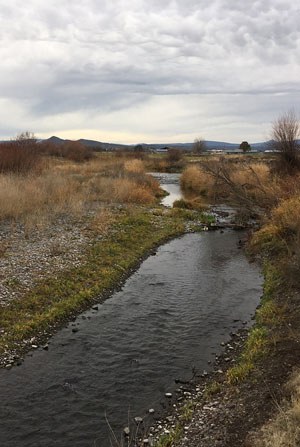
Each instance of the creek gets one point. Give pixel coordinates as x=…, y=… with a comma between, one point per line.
x=170, y=184
x=119, y=360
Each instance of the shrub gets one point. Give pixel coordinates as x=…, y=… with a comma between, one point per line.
x=71, y=150
x=19, y=157
x=194, y=204
x=174, y=155
x=195, y=181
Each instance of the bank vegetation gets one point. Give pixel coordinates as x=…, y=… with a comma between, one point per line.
x=266, y=192
x=73, y=225
x=81, y=221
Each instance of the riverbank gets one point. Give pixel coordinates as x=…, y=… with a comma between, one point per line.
x=100, y=265
x=87, y=266
x=256, y=401
x=60, y=270
x=247, y=387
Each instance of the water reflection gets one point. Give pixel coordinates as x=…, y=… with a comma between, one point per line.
x=170, y=183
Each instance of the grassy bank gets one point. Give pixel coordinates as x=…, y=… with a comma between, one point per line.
x=271, y=351
x=55, y=300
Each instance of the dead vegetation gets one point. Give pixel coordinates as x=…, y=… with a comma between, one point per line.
x=66, y=187
x=269, y=191
x=284, y=429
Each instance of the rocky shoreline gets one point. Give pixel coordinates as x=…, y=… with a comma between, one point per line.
x=28, y=260
x=200, y=406
x=208, y=410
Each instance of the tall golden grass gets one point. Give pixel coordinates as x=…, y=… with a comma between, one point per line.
x=50, y=193
x=195, y=180
x=67, y=187
x=249, y=183
x=136, y=166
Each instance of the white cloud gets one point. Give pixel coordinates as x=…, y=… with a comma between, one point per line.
x=140, y=68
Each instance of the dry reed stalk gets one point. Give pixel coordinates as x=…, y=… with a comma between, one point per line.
x=194, y=180
x=134, y=166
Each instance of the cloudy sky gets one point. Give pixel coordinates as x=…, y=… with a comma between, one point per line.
x=148, y=70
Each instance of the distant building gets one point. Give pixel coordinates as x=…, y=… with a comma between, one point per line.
x=162, y=150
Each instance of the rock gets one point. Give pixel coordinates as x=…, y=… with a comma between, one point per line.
x=75, y=329
x=95, y=307
x=151, y=410
x=138, y=420
x=46, y=347
x=34, y=346
x=168, y=395
x=126, y=431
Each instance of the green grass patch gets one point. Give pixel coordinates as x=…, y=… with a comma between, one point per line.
x=168, y=440
x=260, y=339
x=256, y=346
x=212, y=389
x=56, y=299
x=186, y=411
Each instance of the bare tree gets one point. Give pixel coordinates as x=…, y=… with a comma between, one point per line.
x=199, y=146
x=285, y=135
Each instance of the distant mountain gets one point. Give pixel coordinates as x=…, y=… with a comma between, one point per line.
x=55, y=140
x=100, y=146
x=93, y=144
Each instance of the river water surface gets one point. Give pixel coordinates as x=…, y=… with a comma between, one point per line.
x=170, y=316
x=170, y=183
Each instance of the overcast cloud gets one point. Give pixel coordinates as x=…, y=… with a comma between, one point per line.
x=133, y=71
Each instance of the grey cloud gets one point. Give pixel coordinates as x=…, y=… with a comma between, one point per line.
x=102, y=56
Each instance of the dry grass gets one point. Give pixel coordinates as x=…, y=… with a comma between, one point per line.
x=246, y=183
x=129, y=191
x=102, y=221
x=281, y=232
x=195, y=181
x=252, y=174
x=31, y=196
x=284, y=430
x=286, y=216
x=135, y=166
x=68, y=187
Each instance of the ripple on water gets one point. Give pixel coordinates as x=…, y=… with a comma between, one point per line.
x=170, y=316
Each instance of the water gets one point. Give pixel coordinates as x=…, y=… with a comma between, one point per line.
x=169, y=183
x=170, y=316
